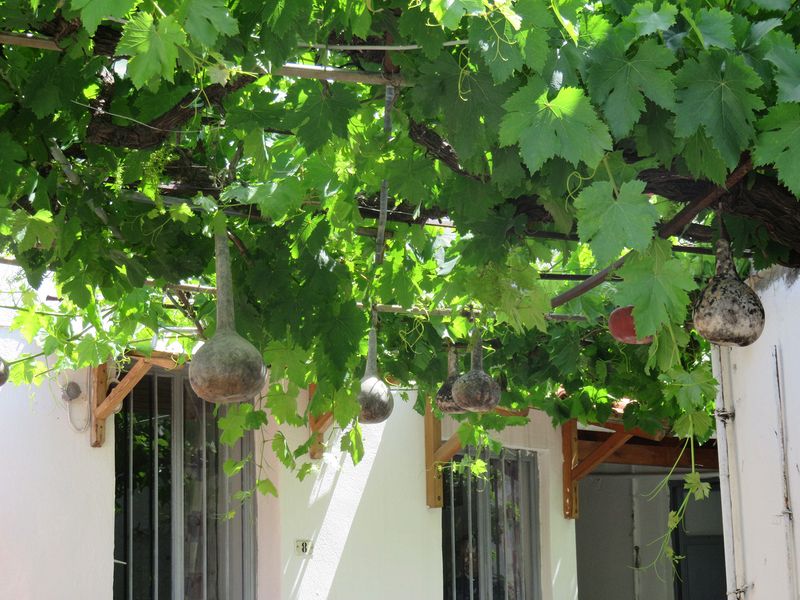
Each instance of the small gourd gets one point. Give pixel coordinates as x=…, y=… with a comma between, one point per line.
x=728, y=312
x=375, y=397
x=622, y=327
x=444, y=397
x=4, y=368
x=227, y=368
x=475, y=390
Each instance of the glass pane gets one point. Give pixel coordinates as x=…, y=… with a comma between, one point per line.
x=194, y=459
x=121, y=512
x=141, y=490
x=163, y=444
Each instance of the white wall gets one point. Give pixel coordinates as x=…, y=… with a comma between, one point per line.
x=56, y=495
x=766, y=427
x=373, y=534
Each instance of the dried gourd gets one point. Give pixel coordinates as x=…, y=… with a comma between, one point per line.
x=227, y=368
x=3, y=371
x=475, y=390
x=728, y=312
x=375, y=398
x=444, y=397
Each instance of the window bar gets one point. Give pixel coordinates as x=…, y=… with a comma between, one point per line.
x=226, y=563
x=533, y=490
x=502, y=500
x=155, y=486
x=129, y=494
x=203, y=477
x=176, y=455
x=452, y=533
x=249, y=521
x=470, y=552
x=485, y=578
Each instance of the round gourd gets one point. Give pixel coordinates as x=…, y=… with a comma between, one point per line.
x=623, y=328
x=728, y=312
x=227, y=368
x=375, y=398
x=475, y=391
x=3, y=371
x=444, y=397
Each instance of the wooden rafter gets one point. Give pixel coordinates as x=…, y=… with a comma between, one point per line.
x=317, y=425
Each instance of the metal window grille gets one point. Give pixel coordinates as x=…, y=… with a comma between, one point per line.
x=491, y=531
x=178, y=531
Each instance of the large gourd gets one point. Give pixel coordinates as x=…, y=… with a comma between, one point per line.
x=227, y=368
x=475, y=391
x=728, y=312
x=444, y=397
x=375, y=397
x=3, y=371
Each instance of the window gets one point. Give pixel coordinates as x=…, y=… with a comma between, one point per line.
x=174, y=536
x=490, y=531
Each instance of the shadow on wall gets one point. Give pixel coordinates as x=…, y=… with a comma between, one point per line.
x=373, y=535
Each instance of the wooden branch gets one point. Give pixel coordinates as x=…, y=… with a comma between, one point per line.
x=119, y=393
x=28, y=40
x=340, y=75
x=672, y=227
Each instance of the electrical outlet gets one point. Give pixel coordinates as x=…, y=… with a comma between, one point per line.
x=303, y=547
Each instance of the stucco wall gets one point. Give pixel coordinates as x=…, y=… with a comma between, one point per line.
x=761, y=384
x=56, y=495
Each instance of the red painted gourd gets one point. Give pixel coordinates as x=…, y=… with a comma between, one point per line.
x=622, y=327
x=227, y=368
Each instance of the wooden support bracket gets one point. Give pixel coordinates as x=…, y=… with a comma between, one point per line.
x=318, y=426
x=104, y=403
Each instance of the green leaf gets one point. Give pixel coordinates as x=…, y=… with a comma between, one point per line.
x=695, y=486
x=153, y=48
x=325, y=112
x=205, y=20
x=787, y=63
x=714, y=93
x=697, y=424
x=353, y=443
x=703, y=159
x=265, y=487
x=655, y=284
x=620, y=82
x=716, y=27
x=450, y=12
x=565, y=126
x=781, y=5
x=777, y=143
x=666, y=348
x=493, y=40
x=647, y=21
x=692, y=390
x=94, y=11
x=609, y=222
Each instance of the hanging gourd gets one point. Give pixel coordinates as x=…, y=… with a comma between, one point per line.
x=227, y=368
x=375, y=397
x=622, y=327
x=475, y=390
x=444, y=397
x=3, y=371
x=728, y=312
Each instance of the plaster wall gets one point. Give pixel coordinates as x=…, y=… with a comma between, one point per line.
x=761, y=385
x=56, y=494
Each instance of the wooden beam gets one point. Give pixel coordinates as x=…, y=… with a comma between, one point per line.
x=119, y=393
x=165, y=360
x=600, y=454
x=434, y=488
x=448, y=450
x=317, y=425
x=97, y=430
x=569, y=450
x=620, y=428
x=508, y=412
x=652, y=455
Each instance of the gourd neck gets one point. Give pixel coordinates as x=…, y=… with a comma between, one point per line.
x=225, y=315
x=372, y=354
x=477, y=351
x=724, y=259
x=452, y=361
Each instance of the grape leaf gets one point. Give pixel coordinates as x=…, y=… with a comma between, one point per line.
x=609, y=224
x=153, y=48
x=565, y=126
x=620, y=82
x=716, y=27
x=714, y=92
x=325, y=112
x=534, y=34
x=777, y=143
x=94, y=11
x=782, y=5
x=692, y=390
x=647, y=21
x=787, y=63
x=655, y=284
x=206, y=19
x=493, y=40
x=450, y=12
x=703, y=159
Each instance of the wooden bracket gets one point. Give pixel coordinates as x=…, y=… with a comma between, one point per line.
x=104, y=403
x=436, y=453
